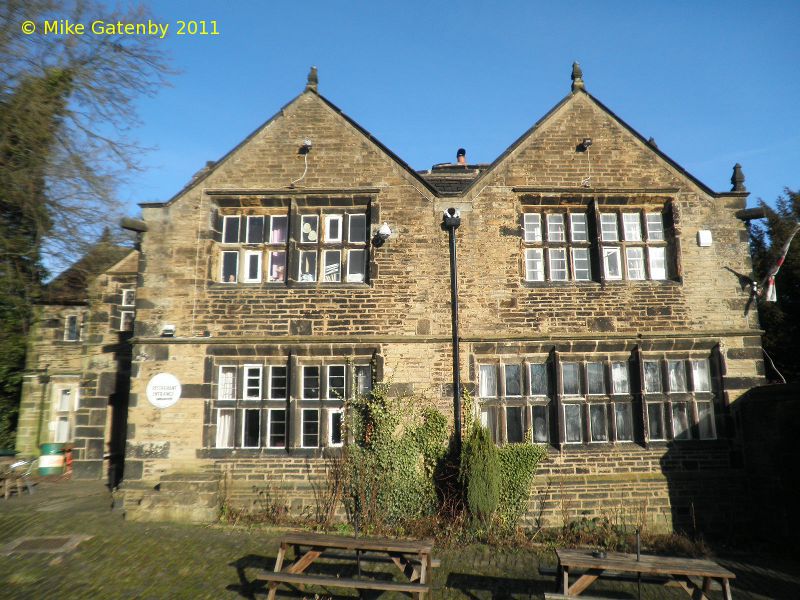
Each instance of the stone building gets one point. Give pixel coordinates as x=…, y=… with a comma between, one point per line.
x=599, y=308
x=75, y=387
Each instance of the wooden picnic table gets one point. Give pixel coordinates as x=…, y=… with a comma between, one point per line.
x=677, y=571
x=413, y=558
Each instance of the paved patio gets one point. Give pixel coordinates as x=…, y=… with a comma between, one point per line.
x=90, y=551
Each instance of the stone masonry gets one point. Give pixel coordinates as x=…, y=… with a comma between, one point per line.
x=641, y=362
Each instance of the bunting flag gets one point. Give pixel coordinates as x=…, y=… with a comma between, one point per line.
x=768, y=285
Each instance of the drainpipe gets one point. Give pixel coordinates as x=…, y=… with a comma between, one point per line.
x=450, y=221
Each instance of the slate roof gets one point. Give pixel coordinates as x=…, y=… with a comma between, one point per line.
x=70, y=287
x=451, y=179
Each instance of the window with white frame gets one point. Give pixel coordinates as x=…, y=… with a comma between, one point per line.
x=514, y=400
x=556, y=246
x=325, y=245
x=65, y=403
x=254, y=403
x=126, y=318
x=560, y=244
x=310, y=428
x=679, y=398
x=128, y=297
x=335, y=427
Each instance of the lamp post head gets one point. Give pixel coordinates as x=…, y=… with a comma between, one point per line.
x=451, y=218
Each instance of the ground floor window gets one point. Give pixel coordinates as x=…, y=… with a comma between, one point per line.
x=614, y=398
x=255, y=403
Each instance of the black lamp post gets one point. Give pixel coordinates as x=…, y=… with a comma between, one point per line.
x=450, y=222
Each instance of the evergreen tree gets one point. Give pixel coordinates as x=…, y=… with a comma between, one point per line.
x=781, y=319
x=480, y=474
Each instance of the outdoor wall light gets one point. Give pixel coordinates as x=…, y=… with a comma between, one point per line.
x=381, y=235
x=168, y=331
x=451, y=218
x=306, y=146
x=584, y=145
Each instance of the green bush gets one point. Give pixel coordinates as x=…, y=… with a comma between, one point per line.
x=480, y=473
x=518, y=463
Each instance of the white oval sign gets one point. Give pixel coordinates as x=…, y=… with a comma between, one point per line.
x=164, y=390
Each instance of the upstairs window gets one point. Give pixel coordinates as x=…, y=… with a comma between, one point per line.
x=326, y=247
x=560, y=244
x=72, y=328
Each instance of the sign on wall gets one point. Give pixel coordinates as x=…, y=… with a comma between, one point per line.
x=163, y=390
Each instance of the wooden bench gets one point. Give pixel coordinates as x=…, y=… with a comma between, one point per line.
x=549, y=596
x=412, y=558
x=677, y=571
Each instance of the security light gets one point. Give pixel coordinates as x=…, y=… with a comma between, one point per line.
x=381, y=235
x=168, y=331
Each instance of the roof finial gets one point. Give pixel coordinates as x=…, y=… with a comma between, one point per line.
x=577, y=78
x=737, y=179
x=313, y=80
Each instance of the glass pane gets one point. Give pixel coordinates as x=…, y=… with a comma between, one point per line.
x=255, y=230
x=333, y=228
x=611, y=263
x=558, y=263
x=677, y=376
x=488, y=381
x=333, y=266
x=336, y=382
x=277, y=385
x=598, y=423
x=128, y=297
x=652, y=377
x=308, y=228
x=700, y=377
x=252, y=383
x=224, y=429
x=655, y=420
x=336, y=429
x=635, y=263
x=363, y=378
x=619, y=377
x=252, y=428
x=658, y=263
x=608, y=227
x=310, y=382
x=624, y=421
x=126, y=321
x=254, y=267
x=64, y=400
x=594, y=372
x=579, y=230
x=570, y=378
x=227, y=383
x=532, y=227
x=539, y=379
x=705, y=418
x=573, y=423
x=310, y=428
x=278, y=229
x=680, y=421
x=514, y=433
x=277, y=266
x=230, y=267
x=540, y=424
x=581, y=264
x=632, y=227
x=277, y=428
x=358, y=229
x=62, y=430
x=488, y=420
x=356, y=265
x=513, y=380
x=308, y=266
x=555, y=228
x=72, y=328
x=534, y=265
x=230, y=230
x=655, y=227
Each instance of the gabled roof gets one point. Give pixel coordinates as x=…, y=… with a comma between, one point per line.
x=566, y=100
x=203, y=174
x=70, y=287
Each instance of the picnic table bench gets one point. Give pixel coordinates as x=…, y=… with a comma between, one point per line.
x=413, y=558
x=677, y=571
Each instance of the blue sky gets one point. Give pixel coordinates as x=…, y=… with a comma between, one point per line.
x=714, y=83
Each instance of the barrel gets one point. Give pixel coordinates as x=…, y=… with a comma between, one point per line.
x=51, y=461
